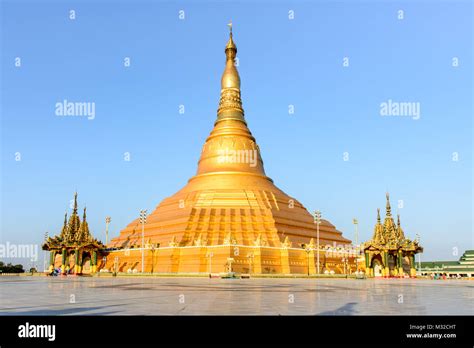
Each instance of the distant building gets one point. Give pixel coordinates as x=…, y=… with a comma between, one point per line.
x=462, y=268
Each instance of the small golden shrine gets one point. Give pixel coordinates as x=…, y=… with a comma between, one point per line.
x=74, y=250
x=389, y=253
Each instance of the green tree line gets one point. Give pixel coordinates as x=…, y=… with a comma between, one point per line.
x=10, y=268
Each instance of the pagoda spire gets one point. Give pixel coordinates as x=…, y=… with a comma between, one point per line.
x=231, y=147
x=230, y=48
x=388, y=208
x=74, y=221
x=64, y=229
x=83, y=234
x=230, y=103
x=378, y=230
x=400, y=233
x=75, y=203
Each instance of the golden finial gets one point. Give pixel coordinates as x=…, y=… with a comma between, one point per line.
x=75, y=203
x=389, y=209
x=230, y=102
x=378, y=215
x=230, y=48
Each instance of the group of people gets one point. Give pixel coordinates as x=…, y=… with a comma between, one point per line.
x=443, y=276
x=57, y=271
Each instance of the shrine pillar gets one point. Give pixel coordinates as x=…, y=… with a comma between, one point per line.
x=412, y=266
x=77, y=258
x=52, y=257
x=368, y=269
x=94, y=261
x=400, y=264
x=386, y=272
x=63, y=260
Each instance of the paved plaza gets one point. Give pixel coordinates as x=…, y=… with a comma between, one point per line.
x=203, y=296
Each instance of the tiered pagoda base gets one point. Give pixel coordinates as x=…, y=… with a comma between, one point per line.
x=216, y=259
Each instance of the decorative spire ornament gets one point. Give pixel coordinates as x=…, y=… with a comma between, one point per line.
x=75, y=203
x=388, y=208
x=230, y=103
x=84, y=234
x=63, y=234
x=74, y=222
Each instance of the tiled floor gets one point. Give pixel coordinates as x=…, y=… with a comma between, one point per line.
x=203, y=296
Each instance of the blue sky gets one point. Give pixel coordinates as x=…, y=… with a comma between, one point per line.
x=282, y=62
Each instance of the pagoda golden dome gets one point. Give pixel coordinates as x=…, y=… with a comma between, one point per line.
x=230, y=199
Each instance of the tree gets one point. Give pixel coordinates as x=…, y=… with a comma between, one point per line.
x=10, y=268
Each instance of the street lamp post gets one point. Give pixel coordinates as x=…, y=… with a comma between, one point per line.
x=250, y=257
x=107, y=222
x=143, y=222
x=317, y=221
x=116, y=265
x=210, y=255
x=44, y=253
x=356, y=237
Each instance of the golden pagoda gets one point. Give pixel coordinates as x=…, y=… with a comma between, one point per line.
x=389, y=253
x=230, y=215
